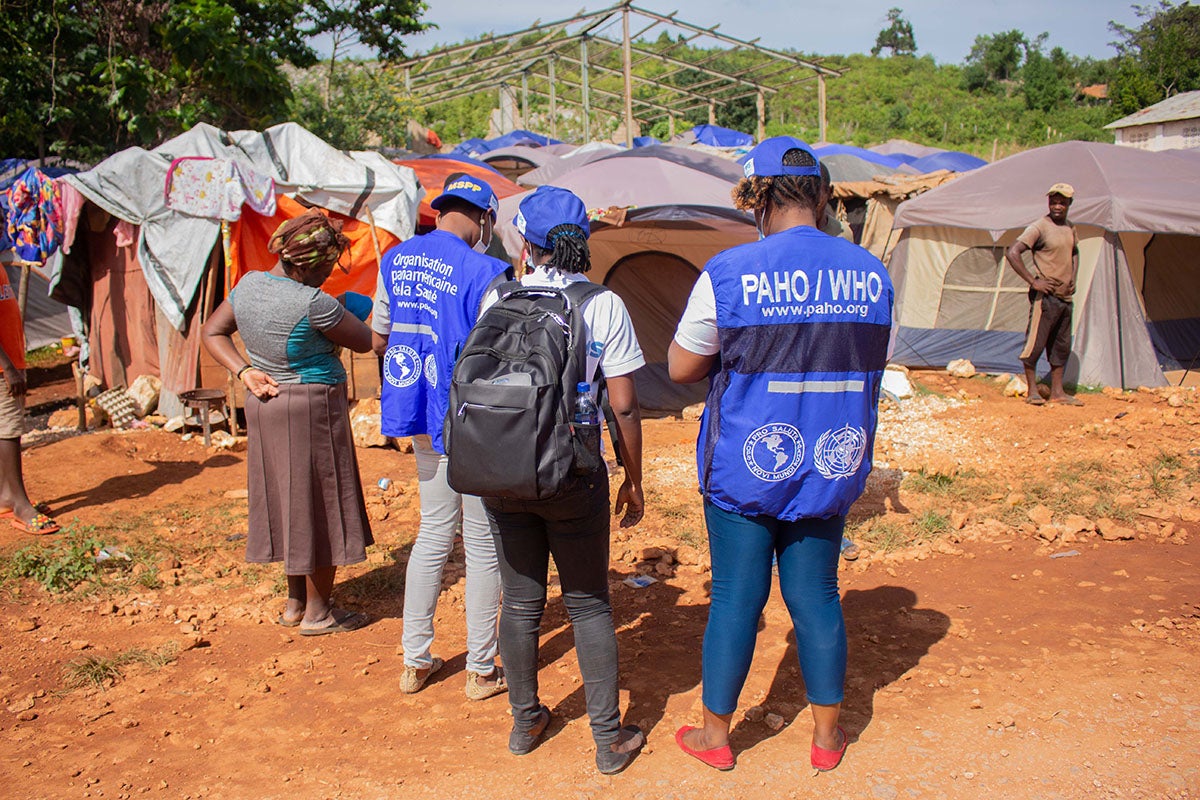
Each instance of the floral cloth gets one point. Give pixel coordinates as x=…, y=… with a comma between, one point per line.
x=217, y=188
x=34, y=212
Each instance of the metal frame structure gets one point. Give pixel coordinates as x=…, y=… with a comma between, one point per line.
x=530, y=56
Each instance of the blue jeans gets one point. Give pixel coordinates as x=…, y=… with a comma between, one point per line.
x=574, y=529
x=807, y=553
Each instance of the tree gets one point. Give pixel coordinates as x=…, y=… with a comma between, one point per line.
x=897, y=37
x=83, y=78
x=368, y=108
x=1042, y=82
x=993, y=59
x=1159, y=58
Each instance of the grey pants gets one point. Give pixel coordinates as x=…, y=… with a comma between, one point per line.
x=575, y=530
x=442, y=509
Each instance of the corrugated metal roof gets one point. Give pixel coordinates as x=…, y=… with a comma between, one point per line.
x=1181, y=106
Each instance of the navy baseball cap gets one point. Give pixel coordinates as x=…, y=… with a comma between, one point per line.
x=469, y=188
x=547, y=208
x=766, y=158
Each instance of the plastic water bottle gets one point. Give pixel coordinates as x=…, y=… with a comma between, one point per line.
x=586, y=412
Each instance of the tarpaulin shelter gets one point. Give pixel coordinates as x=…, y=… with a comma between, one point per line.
x=891, y=161
x=659, y=214
x=871, y=204
x=716, y=136
x=552, y=168
x=904, y=148
x=951, y=160
x=477, y=147
x=1137, y=298
x=144, y=262
x=514, y=161
x=432, y=173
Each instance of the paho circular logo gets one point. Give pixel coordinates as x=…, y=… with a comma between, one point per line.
x=431, y=370
x=401, y=366
x=839, y=453
x=774, y=451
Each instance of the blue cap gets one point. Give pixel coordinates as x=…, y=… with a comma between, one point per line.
x=547, y=208
x=469, y=188
x=766, y=158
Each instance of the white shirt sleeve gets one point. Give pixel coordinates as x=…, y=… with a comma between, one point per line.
x=613, y=329
x=381, y=314
x=697, y=331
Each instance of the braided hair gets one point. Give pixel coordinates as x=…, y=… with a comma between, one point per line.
x=568, y=249
x=803, y=191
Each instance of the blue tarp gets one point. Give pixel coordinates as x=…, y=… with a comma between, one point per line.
x=951, y=160
x=645, y=141
x=471, y=147
x=716, y=136
x=477, y=147
x=866, y=155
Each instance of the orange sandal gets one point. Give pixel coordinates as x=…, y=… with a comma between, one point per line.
x=38, y=525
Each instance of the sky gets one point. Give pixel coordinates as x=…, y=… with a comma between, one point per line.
x=942, y=29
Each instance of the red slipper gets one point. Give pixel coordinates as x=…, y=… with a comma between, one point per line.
x=38, y=525
x=718, y=757
x=826, y=760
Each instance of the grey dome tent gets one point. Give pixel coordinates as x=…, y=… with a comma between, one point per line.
x=1137, y=301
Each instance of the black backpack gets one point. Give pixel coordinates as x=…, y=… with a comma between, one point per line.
x=509, y=430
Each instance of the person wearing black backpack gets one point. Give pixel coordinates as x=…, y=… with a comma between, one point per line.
x=574, y=525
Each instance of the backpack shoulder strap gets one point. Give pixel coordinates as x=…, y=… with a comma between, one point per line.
x=579, y=293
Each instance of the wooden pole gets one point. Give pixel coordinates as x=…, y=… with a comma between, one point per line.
x=553, y=100
x=80, y=400
x=760, y=103
x=712, y=112
x=671, y=124
x=23, y=288
x=628, y=77
x=821, y=123
x=587, y=105
x=525, y=99
x=226, y=245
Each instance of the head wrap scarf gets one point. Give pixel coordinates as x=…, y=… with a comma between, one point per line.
x=309, y=240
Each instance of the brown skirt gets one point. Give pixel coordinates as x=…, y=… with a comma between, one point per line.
x=306, y=499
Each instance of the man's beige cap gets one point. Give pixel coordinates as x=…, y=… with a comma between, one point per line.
x=1065, y=189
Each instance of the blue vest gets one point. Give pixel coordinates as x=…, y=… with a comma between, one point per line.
x=803, y=321
x=434, y=284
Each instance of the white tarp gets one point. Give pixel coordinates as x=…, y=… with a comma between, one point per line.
x=174, y=248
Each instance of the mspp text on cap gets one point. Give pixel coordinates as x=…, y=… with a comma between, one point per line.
x=1065, y=189
x=546, y=208
x=471, y=189
x=766, y=159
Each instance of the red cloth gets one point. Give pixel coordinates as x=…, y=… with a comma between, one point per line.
x=12, y=329
x=432, y=172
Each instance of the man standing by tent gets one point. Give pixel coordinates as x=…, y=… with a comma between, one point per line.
x=428, y=297
x=1054, y=246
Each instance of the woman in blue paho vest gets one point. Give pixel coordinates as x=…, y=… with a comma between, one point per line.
x=792, y=332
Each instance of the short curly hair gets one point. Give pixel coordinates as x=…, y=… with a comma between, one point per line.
x=803, y=191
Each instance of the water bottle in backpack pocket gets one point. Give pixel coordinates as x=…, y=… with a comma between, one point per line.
x=585, y=431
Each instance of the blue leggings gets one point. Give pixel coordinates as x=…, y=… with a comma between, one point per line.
x=807, y=554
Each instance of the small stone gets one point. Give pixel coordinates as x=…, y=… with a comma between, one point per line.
x=27, y=716
x=774, y=722
x=755, y=713
x=1047, y=532
x=1041, y=515
x=976, y=703
x=961, y=368
x=129, y=723
x=24, y=624
x=693, y=412
x=79, y=644
x=237, y=494
x=652, y=553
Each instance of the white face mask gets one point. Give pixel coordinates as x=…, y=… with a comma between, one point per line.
x=481, y=246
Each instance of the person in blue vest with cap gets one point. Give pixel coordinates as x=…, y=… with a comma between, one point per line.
x=792, y=333
x=428, y=298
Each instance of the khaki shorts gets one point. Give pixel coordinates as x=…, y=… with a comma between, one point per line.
x=12, y=414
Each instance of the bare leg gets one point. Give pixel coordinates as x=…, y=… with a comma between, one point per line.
x=319, y=588
x=715, y=732
x=297, y=598
x=1032, y=396
x=825, y=732
x=12, y=481
x=1057, y=392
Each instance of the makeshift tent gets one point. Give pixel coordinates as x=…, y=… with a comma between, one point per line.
x=871, y=205
x=645, y=141
x=903, y=147
x=951, y=160
x=432, y=173
x=551, y=169
x=514, y=161
x=46, y=320
x=893, y=162
x=716, y=136
x=846, y=167
x=144, y=262
x=1137, y=298
x=477, y=147
x=669, y=211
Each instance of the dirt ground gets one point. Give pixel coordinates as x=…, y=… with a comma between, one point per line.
x=1024, y=622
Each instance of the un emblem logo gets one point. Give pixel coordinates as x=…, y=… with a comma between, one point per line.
x=431, y=370
x=774, y=452
x=401, y=366
x=839, y=453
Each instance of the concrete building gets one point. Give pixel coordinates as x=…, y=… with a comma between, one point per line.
x=1170, y=125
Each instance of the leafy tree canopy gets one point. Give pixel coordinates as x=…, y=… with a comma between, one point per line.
x=1159, y=58
x=897, y=37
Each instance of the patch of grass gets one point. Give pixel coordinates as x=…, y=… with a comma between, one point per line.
x=930, y=482
x=1105, y=507
x=61, y=566
x=48, y=356
x=1163, y=472
x=1083, y=471
x=103, y=671
x=883, y=537
x=931, y=524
